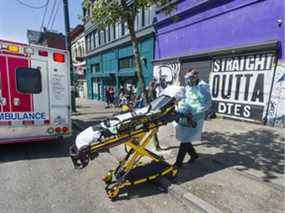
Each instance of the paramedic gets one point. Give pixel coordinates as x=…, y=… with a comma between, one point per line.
x=191, y=111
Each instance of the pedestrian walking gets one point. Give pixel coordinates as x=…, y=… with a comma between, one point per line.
x=112, y=96
x=151, y=92
x=123, y=101
x=191, y=111
x=108, y=98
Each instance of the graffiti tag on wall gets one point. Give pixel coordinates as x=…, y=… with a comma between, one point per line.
x=167, y=72
x=276, y=113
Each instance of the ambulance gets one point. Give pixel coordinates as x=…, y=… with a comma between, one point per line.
x=34, y=93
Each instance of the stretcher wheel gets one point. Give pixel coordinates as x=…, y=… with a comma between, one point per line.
x=113, y=192
x=108, y=177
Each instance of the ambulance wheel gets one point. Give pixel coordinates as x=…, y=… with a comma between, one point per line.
x=113, y=192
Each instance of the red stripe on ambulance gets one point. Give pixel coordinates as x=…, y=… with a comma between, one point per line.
x=20, y=102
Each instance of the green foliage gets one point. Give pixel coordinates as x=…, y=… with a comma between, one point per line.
x=86, y=4
x=107, y=12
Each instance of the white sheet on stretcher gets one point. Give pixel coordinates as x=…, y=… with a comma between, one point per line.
x=87, y=136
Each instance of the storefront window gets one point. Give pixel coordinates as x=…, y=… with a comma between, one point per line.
x=125, y=63
x=95, y=68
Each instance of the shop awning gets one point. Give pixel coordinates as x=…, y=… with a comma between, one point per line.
x=238, y=49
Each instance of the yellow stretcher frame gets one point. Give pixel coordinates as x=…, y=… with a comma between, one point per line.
x=136, y=137
x=113, y=188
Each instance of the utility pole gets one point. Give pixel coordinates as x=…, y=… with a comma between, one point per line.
x=68, y=47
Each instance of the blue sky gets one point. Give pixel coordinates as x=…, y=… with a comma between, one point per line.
x=15, y=18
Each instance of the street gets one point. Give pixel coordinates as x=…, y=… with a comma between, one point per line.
x=39, y=177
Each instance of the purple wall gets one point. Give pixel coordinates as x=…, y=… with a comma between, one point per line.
x=219, y=24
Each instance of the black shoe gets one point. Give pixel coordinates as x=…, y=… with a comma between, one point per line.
x=177, y=165
x=193, y=158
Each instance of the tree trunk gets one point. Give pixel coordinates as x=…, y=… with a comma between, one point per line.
x=135, y=43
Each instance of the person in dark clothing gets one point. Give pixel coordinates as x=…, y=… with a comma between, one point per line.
x=108, y=97
x=191, y=111
x=112, y=96
x=151, y=92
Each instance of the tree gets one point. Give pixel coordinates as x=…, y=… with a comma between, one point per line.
x=109, y=12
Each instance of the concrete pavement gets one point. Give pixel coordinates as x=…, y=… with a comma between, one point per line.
x=241, y=166
x=39, y=177
x=241, y=169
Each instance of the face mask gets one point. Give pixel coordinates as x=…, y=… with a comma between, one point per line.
x=188, y=80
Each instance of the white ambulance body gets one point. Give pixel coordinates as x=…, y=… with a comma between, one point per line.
x=34, y=93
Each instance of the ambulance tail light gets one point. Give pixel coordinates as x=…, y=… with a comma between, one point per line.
x=43, y=53
x=58, y=57
x=65, y=130
x=57, y=130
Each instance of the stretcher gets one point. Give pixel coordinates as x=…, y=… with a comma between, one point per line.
x=135, y=130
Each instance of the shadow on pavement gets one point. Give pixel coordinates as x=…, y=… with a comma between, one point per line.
x=139, y=191
x=256, y=149
x=34, y=150
x=251, y=150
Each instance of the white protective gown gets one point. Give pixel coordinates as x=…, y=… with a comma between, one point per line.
x=197, y=102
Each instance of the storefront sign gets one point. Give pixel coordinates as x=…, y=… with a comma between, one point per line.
x=240, y=85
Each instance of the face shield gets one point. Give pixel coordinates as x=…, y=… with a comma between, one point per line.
x=191, y=79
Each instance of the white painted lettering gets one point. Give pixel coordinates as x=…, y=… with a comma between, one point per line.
x=246, y=112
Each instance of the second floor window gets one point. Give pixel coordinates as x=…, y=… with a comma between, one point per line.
x=109, y=33
x=99, y=38
x=103, y=36
x=96, y=38
x=123, y=31
x=114, y=32
x=143, y=17
x=91, y=41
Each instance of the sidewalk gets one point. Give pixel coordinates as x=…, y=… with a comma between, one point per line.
x=90, y=111
x=241, y=166
x=240, y=169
